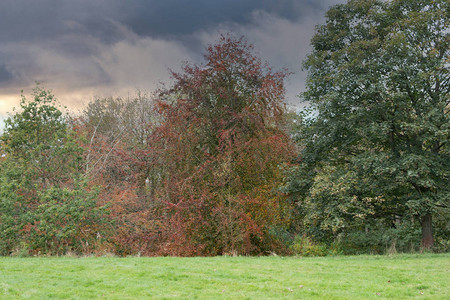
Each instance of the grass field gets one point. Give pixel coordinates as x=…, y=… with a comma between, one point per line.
x=424, y=276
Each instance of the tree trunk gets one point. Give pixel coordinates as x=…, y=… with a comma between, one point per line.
x=427, y=231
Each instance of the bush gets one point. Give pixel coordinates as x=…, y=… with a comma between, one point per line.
x=304, y=246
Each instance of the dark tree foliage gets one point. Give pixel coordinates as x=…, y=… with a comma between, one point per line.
x=376, y=142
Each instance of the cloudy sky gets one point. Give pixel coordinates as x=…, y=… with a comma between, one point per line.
x=94, y=48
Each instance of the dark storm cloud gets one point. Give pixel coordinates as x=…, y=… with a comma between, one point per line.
x=175, y=17
x=69, y=26
x=32, y=20
x=5, y=75
x=38, y=20
x=81, y=48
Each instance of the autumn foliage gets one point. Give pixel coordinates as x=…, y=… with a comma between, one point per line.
x=202, y=175
x=213, y=164
x=219, y=154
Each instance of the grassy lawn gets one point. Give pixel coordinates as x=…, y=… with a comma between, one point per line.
x=355, y=277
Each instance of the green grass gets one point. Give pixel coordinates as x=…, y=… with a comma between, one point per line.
x=353, y=277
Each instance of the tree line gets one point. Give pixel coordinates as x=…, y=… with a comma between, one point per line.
x=216, y=164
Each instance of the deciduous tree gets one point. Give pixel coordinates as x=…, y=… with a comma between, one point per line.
x=219, y=154
x=376, y=144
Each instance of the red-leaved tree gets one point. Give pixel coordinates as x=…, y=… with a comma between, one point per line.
x=218, y=155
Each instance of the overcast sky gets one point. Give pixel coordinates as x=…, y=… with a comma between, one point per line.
x=86, y=48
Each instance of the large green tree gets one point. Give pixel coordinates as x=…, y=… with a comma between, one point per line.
x=376, y=142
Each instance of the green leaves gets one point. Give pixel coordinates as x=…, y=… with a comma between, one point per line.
x=379, y=82
x=45, y=204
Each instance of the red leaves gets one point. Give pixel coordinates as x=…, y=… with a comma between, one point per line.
x=220, y=151
x=205, y=182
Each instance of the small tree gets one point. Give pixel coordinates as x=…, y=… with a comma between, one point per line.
x=45, y=204
x=377, y=144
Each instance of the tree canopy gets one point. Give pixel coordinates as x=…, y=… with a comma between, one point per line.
x=376, y=144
